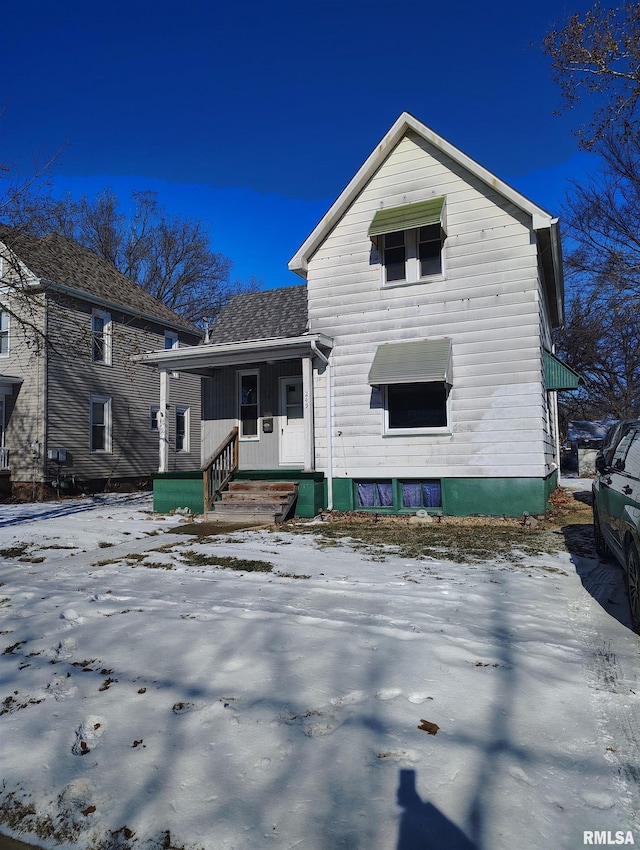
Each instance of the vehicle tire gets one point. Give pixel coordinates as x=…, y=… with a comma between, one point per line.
x=633, y=585
x=601, y=544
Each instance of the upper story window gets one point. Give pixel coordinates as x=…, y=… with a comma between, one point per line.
x=410, y=241
x=4, y=333
x=170, y=340
x=101, y=337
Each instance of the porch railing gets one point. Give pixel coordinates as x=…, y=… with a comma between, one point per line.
x=218, y=469
x=4, y=458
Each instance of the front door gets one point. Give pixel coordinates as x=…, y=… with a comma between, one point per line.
x=291, y=421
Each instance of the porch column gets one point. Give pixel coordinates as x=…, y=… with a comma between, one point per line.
x=163, y=422
x=307, y=409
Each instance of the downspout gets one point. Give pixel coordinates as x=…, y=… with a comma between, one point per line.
x=329, y=407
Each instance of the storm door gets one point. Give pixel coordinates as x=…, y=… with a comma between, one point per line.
x=291, y=421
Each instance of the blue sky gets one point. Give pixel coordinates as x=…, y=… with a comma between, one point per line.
x=253, y=116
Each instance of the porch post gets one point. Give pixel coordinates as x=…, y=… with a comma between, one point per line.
x=307, y=408
x=163, y=422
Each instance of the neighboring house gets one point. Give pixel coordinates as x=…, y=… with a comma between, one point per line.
x=77, y=409
x=584, y=441
x=419, y=374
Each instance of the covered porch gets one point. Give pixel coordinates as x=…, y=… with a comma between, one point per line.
x=258, y=413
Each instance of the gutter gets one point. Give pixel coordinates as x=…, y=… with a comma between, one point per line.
x=329, y=407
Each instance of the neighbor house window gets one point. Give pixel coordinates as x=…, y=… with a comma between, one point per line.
x=248, y=405
x=101, y=337
x=170, y=340
x=410, y=241
x=154, y=410
x=182, y=428
x=410, y=406
x=100, y=423
x=4, y=333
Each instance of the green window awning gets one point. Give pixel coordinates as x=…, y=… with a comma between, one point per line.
x=407, y=217
x=559, y=376
x=423, y=361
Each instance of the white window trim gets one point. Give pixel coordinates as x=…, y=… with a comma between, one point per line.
x=107, y=335
x=106, y=402
x=256, y=438
x=440, y=430
x=412, y=262
x=4, y=316
x=186, y=410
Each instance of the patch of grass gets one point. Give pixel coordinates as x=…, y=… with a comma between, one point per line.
x=33, y=559
x=157, y=565
x=476, y=539
x=212, y=529
x=104, y=544
x=199, y=559
x=292, y=575
x=14, y=551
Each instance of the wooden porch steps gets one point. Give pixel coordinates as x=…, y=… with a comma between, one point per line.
x=258, y=501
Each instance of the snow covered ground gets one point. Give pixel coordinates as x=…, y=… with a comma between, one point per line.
x=150, y=698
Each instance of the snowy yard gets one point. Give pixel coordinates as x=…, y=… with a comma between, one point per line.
x=267, y=690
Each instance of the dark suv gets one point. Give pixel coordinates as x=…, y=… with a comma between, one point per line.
x=616, y=512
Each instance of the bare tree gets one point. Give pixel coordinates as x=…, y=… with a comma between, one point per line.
x=598, y=56
x=169, y=256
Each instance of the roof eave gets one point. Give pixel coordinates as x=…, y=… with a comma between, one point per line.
x=115, y=305
x=406, y=122
x=202, y=358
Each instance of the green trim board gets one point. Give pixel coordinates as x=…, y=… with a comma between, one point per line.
x=407, y=217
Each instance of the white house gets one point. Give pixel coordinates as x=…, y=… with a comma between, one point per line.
x=419, y=373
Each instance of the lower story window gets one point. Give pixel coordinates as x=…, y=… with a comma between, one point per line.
x=375, y=494
x=422, y=405
x=248, y=405
x=100, y=423
x=397, y=495
x=182, y=428
x=421, y=494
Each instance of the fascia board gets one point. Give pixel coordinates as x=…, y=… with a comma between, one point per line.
x=228, y=353
x=406, y=122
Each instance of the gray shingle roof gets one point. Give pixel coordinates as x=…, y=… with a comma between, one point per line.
x=59, y=260
x=268, y=314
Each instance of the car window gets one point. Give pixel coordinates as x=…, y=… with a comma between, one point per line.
x=632, y=459
x=621, y=451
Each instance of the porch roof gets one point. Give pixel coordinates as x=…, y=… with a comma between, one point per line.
x=202, y=359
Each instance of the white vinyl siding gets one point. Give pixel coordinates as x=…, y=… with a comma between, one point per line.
x=489, y=305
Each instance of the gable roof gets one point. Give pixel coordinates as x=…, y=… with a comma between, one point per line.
x=268, y=314
x=543, y=223
x=66, y=265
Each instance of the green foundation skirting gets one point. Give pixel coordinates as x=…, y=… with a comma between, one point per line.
x=173, y=490
x=460, y=496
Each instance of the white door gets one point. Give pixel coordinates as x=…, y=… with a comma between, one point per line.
x=291, y=421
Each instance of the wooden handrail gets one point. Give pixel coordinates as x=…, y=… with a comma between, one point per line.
x=219, y=467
